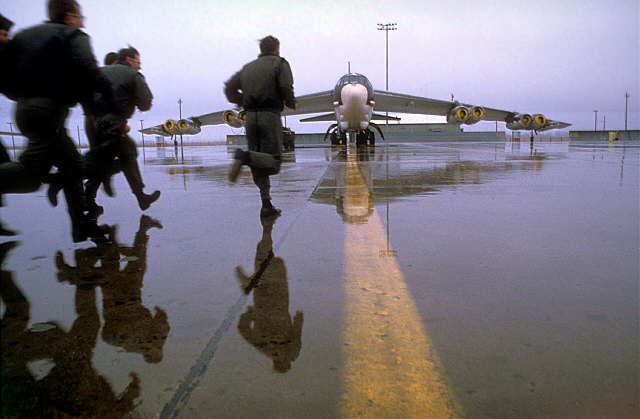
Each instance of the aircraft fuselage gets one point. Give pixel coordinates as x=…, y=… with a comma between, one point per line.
x=353, y=102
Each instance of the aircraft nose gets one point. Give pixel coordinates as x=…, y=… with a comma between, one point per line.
x=353, y=93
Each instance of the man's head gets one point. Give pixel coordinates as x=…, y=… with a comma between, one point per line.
x=270, y=45
x=111, y=58
x=5, y=27
x=66, y=11
x=131, y=57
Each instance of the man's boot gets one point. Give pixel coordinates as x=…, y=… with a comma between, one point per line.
x=145, y=200
x=5, y=231
x=84, y=229
x=56, y=183
x=268, y=210
x=239, y=158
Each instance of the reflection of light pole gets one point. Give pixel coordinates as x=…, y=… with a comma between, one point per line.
x=626, y=98
x=595, y=121
x=13, y=144
x=144, y=156
x=386, y=27
x=79, y=144
x=180, y=110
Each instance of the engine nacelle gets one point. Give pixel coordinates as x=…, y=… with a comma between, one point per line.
x=457, y=115
x=520, y=121
x=242, y=116
x=476, y=113
x=539, y=121
x=188, y=126
x=169, y=125
x=231, y=118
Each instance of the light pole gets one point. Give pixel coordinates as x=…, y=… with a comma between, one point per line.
x=595, y=121
x=144, y=156
x=604, y=123
x=386, y=27
x=626, y=98
x=180, y=112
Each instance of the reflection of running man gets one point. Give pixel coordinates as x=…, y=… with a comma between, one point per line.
x=267, y=324
x=72, y=387
x=128, y=324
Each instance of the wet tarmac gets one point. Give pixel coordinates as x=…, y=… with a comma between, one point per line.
x=476, y=280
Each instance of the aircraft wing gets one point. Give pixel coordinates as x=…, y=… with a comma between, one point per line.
x=213, y=118
x=312, y=103
x=157, y=130
x=398, y=102
x=402, y=103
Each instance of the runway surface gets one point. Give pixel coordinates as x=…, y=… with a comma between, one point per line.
x=475, y=280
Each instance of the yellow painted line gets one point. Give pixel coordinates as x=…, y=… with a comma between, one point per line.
x=391, y=367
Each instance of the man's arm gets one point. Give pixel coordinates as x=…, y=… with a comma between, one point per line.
x=144, y=97
x=285, y=84
x=90, y=77
x=233, y=89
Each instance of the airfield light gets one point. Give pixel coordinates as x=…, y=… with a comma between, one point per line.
x=386, y=27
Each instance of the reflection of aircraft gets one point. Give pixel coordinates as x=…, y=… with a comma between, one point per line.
x=351, y=105
x=267, y=324
x=354, y=183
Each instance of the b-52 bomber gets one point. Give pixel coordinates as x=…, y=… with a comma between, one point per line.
x=351, y=106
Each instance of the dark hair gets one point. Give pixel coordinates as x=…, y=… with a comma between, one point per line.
x=59, y=8
x=111, y=58
x=5, y=24
x=124, y=53
x=269, y=45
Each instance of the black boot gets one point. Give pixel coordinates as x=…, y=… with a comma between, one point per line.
x=239, y=158
x=5, y=248
x=94, y=211
x=106, y=185
x=55, y=186
x=85, y=228
x=5, y=231
x=145, y=200
x=268, y=210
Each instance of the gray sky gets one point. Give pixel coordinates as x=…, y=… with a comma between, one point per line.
x=561, y=58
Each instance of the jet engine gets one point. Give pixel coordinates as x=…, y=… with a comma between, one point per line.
x=457, y=115
x=520, y=121
x=539, y=121
x=242, y=116
x=476, y=113
x=169, y=125
x=232, y=119
x=188, y=126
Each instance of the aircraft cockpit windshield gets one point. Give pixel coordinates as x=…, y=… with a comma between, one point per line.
x=353, y=78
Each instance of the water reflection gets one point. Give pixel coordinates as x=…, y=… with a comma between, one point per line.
x=72, y=386
x=128, y=324
x=387, y=176
x=267, y=324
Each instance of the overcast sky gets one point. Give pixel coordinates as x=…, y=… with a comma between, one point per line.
x=561, y=58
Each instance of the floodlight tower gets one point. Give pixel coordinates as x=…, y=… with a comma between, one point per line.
x=386, y=27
